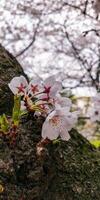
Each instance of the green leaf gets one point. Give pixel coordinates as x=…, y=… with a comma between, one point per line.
x=4, y=124
x=16, y=110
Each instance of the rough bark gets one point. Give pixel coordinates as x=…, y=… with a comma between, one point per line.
x=64, y=170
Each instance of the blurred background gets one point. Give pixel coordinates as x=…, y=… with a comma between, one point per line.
x=56, y=36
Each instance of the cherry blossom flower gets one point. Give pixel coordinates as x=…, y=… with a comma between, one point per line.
x=50, y=88
x=34, y=87
x=94, y=109
x=96, y=99
x=58, y=123
x=18, y=85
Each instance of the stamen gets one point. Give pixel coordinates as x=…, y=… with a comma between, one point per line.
x=34, y=88
x=21, y=88
x=47, y=89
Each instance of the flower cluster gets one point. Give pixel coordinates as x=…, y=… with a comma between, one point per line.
x=43, y=98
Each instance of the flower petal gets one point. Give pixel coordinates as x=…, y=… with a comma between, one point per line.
x=49, y=131
x=35, y=86
x=62, y=111
x=15, y=84
x=63, y=101
x=23, y=107
x=49, y=82
x=57, y=86
x=64, y=135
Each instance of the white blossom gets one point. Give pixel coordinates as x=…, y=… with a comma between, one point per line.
x=18, y=85
x=96, y=100
x=50, y=88
x=34, y=86
x=58, y=123
x=94, y=109
x=94, y=113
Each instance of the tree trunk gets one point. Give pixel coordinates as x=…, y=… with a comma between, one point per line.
x=9, y=68
x=61, y=171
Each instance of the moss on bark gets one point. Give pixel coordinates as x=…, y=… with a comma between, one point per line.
x=64, y=171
